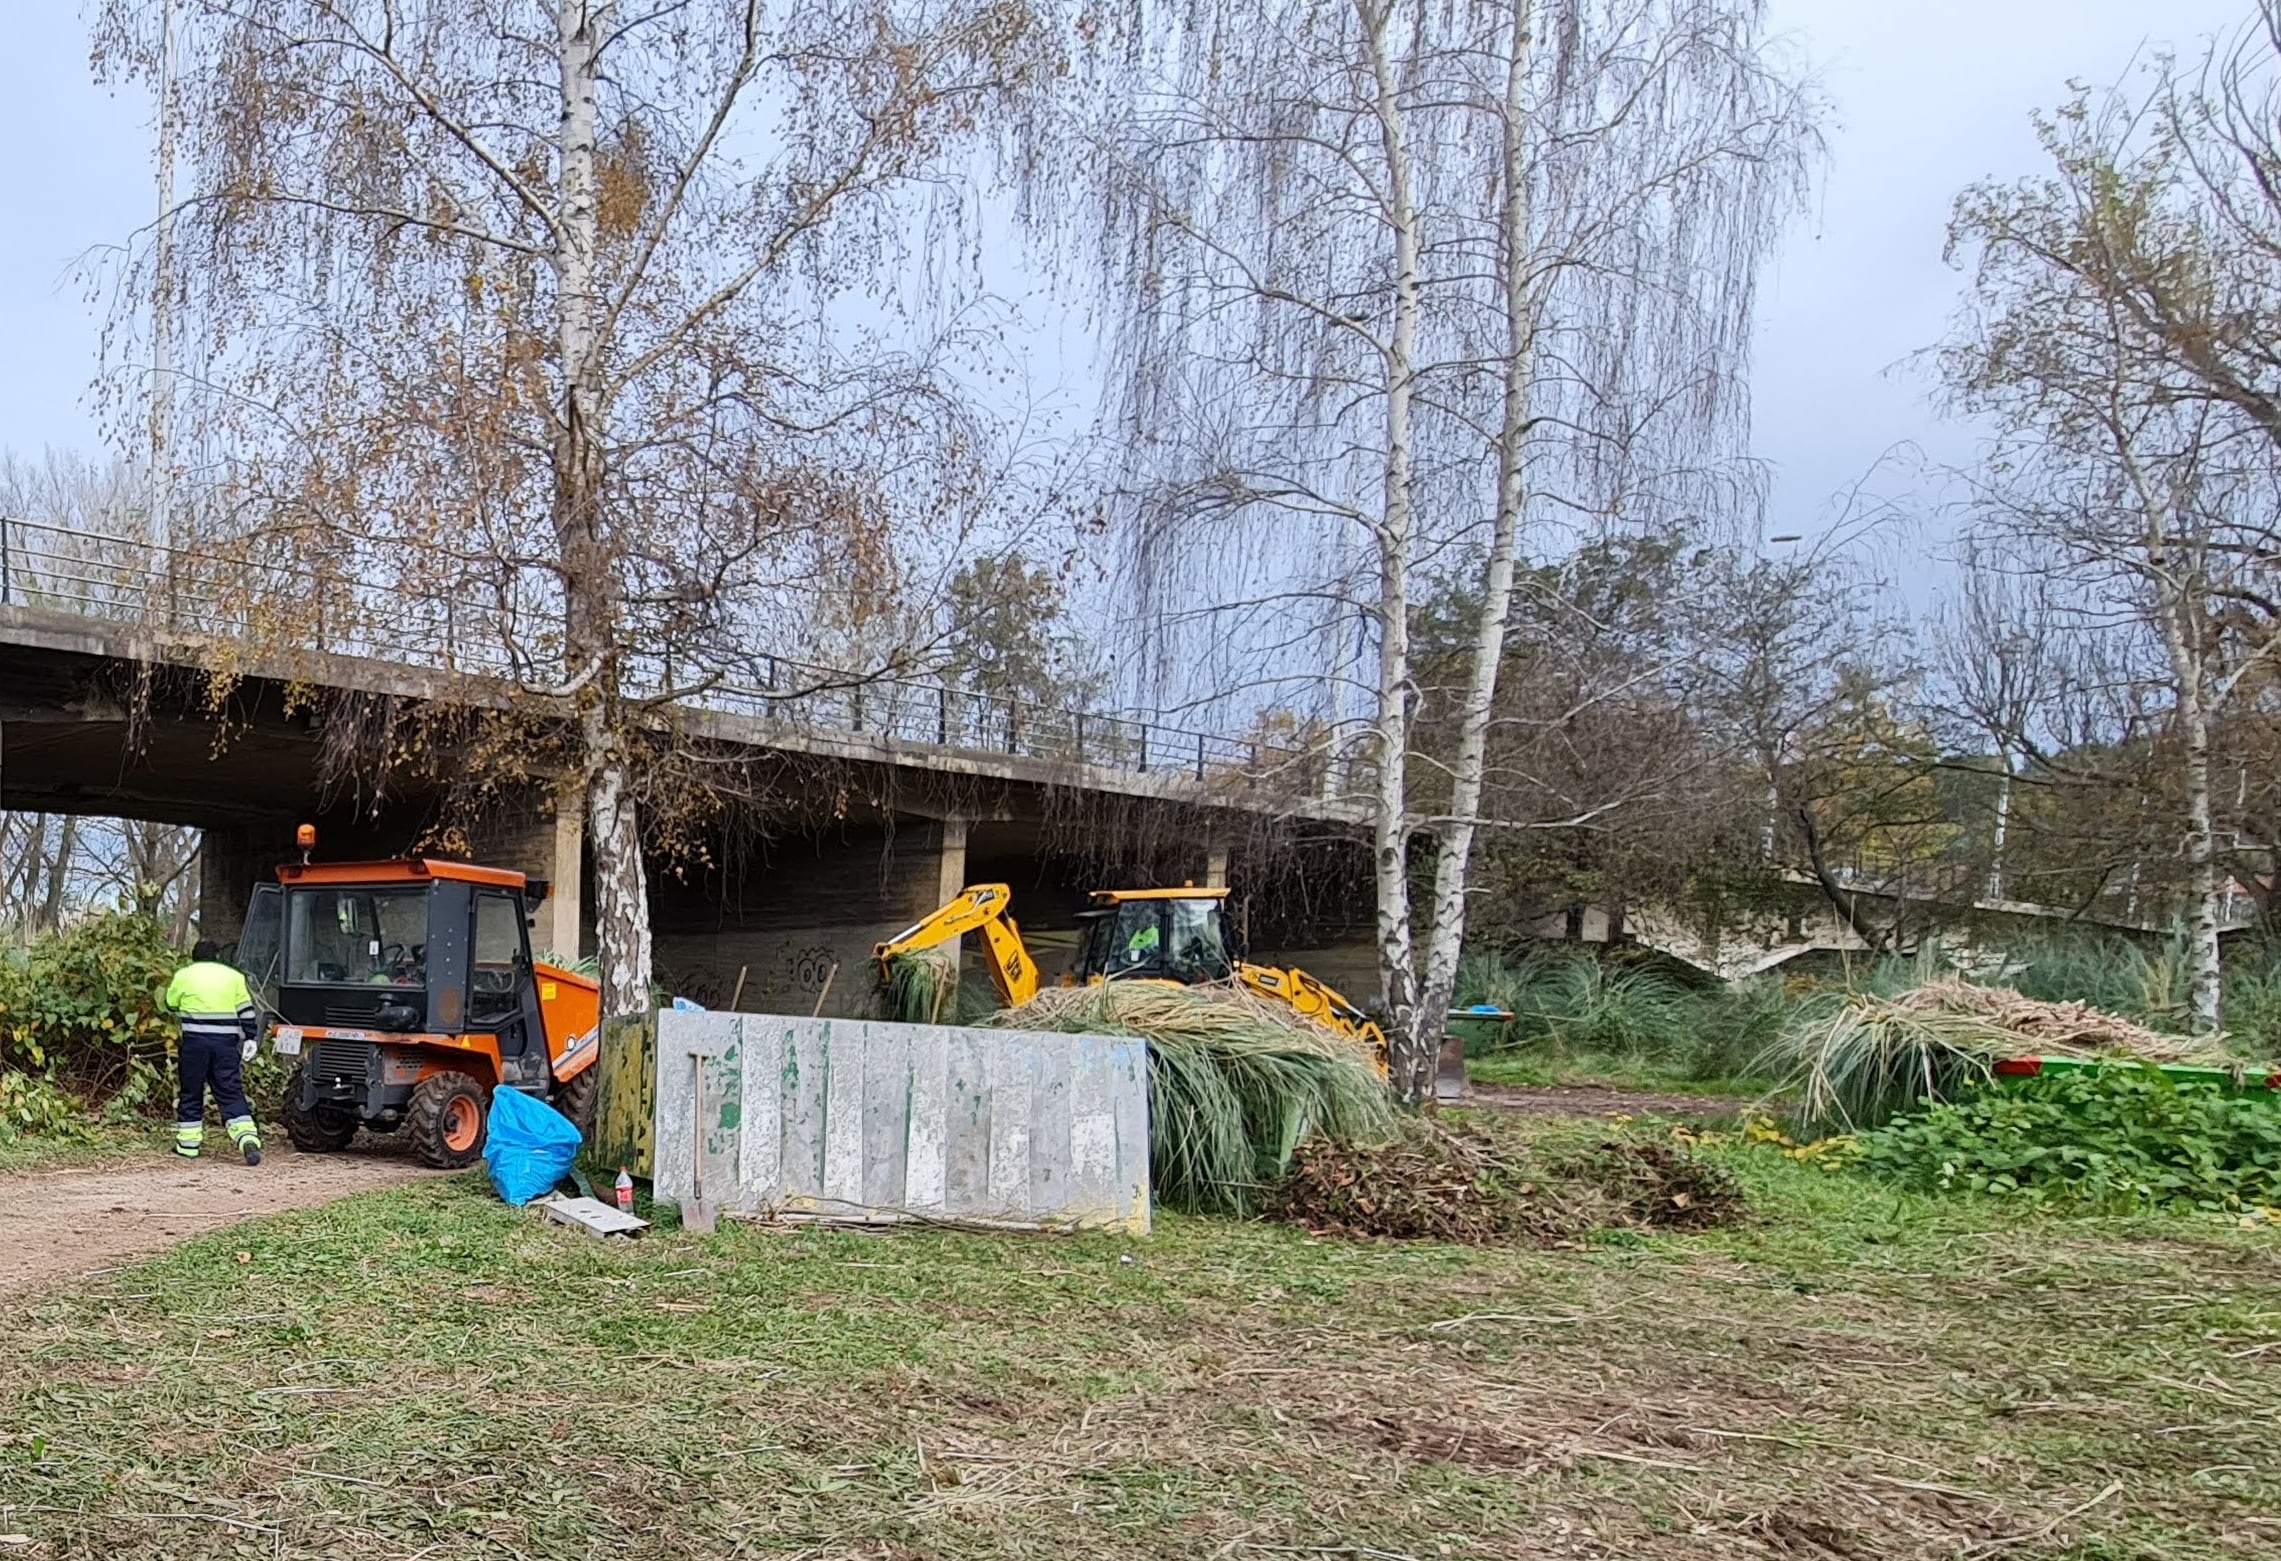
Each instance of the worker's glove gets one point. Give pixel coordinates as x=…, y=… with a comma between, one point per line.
x=247, y=1048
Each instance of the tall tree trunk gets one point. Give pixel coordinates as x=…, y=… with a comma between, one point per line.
x=2204, y=989
x=1412, y=1043
x=2002, y=830
x=1445, y=940
x=2183, y=639
x=59, y=874
x=590, y=587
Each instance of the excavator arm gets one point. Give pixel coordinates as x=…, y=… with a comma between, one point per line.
x=979, y=908
x=1311, y=999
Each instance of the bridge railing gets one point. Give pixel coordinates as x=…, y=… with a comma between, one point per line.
x=233, y=599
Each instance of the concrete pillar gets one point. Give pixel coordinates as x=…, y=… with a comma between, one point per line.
x=564, y=919
x=1216, y=867
x=230, y=862
x=950, y=878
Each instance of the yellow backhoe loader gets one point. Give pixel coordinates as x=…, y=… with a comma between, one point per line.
x=1172, y=935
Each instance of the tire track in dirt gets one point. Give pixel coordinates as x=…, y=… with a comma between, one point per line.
x=56, y=1226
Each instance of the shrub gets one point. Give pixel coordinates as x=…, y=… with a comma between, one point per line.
x=33, y=1105
x=84, y=1004
x=2116, y=1139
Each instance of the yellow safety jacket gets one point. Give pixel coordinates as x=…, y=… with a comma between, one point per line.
x=212, y=1001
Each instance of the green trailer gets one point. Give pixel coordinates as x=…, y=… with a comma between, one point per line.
x=2241, y=1081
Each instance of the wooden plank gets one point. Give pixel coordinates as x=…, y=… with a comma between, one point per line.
x=625, y=1108
x=804, y=1084
x=966, y=1174
x=843, y=1112
x=1012, y=1074
x=886, y=1113
x=1128, y=1067
x=1051, y=1100
x=926, y=1145
x=1090, y=1155
x=760, y=1130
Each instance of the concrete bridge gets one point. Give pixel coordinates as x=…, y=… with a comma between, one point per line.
x=135, y=683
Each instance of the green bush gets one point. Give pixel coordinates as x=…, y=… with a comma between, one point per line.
x=81, y=1019
x=2117, y=1139
x=33, y=1105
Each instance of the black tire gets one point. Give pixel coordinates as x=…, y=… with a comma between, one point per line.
x=446, y=1121
x=575, y=1098
x=324, y=1130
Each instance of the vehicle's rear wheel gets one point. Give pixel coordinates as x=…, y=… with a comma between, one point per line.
x=319, y=1130
x=446, y=1120
x=574, y=1098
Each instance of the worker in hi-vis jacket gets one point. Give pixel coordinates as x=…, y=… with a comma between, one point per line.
x=219, y=1024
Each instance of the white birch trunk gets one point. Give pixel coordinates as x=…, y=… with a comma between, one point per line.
x=621, y=890
x=2204, y=991
x=1445, y=937
x=1390, y=842
x=2181, y=638
x=2002, y=830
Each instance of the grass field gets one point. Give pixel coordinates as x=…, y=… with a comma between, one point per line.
x=1854, y=1374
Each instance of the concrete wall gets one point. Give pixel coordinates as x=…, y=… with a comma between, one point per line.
x=814, y=906
x=870, y=1121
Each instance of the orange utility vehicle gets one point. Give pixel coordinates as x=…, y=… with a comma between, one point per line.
x=404, y=993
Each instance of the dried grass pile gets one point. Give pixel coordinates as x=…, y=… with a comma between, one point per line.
x=1236, y=1085
x=2050, y=1029
x=1438, y=1183
x=922, y=986
x=1863, y=1059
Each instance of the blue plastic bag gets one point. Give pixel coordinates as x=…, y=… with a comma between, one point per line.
x=530, y=1146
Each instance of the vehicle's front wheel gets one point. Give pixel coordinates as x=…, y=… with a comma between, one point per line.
x=446, y=1121
x=319, y=1130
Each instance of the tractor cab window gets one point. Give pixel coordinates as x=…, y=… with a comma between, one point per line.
x=495, y=981
x=1197, y=952
x=357, y=935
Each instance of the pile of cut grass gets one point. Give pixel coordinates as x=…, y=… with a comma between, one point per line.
x=1859, y=1061
x=922, y=986
x=1235, y=1084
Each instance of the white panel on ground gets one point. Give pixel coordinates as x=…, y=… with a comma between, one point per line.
x=852, y=1119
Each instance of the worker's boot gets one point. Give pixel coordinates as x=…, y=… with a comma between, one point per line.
x=189, y=1138
x=246, y=1137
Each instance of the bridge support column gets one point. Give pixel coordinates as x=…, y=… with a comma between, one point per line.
x=1216, y=867
x=950, y=878
x=564, y=927
x=231, y=861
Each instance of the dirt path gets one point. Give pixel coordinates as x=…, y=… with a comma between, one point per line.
x=57, y=1225
x=1590, y=1100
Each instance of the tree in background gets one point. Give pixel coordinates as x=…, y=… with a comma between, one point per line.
x=1007, y=636
x=1393, y=294
x=2118, y=335
x=546, y=305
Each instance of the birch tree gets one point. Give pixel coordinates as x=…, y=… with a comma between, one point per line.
x=1418, y=293
x=2117, y=333
x=588, y=313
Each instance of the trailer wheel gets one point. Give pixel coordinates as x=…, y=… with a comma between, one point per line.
x=574, y=1098
x=446, y=1121
x=318, y=1130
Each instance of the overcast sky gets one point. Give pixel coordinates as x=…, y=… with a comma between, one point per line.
x=1929, y=95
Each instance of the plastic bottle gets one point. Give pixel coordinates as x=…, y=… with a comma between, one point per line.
x=625, y=1191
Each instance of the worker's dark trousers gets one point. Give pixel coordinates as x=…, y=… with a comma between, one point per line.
x=210, y=1061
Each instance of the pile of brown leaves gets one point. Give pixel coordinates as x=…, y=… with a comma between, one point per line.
x=1438, y=1183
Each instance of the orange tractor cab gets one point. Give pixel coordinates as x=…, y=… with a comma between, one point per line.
x=404, y=993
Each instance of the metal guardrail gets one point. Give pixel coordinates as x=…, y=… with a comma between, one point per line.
x=211, y=595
